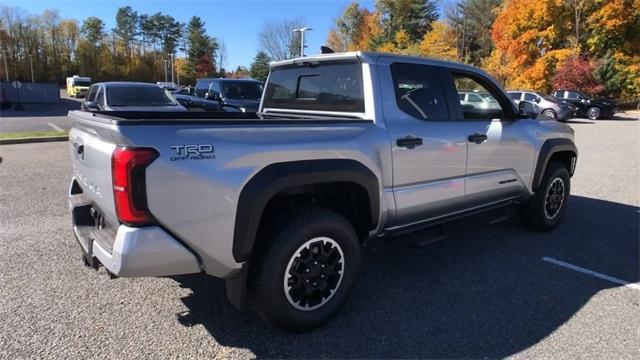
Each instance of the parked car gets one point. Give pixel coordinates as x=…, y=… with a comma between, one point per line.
x=241, y=93
x=548, y=105
x=587, y=106
x=481, y=100
x=197, y=104
x=346, y=148
x=130, y=96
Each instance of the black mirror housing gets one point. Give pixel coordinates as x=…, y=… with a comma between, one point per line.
x=212, y=95
x=527, y=110
x=91, y=105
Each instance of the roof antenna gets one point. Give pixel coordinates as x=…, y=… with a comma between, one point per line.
x=326, y=50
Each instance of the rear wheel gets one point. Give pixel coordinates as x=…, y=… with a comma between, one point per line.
x=306, y=272
x=546, y=208
x=593, y=113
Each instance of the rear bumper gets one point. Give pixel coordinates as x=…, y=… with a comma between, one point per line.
x=146, y=251
x=139, y=252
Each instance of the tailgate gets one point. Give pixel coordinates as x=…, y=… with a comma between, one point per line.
x=91, y=170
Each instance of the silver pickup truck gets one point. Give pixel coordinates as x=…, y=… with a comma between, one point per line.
x=345, y=148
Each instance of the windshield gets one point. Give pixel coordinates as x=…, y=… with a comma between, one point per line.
x=245, y=90
x=549, y=98
x=139, y=96
x=81, y=83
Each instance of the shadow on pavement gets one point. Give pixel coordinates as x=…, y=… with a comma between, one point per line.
x=39, y=110
x=483, y=292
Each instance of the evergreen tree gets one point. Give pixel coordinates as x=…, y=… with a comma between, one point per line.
x=260, y=66
x=609, y=75
x=200, y=49
x=413, y=16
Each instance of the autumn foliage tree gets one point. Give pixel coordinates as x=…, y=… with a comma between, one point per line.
x=577, y=73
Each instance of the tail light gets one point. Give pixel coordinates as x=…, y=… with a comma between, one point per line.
x=128, y=167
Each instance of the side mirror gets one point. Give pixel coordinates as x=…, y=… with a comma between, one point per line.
x=212, y=95
x=526, y=110
x=91, y=105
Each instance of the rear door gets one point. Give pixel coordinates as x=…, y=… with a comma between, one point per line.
x=428, y=148
x=499, y=159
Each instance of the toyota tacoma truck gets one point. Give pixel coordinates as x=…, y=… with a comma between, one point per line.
x=346, y=148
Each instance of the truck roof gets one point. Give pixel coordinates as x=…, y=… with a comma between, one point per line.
x=372, y=57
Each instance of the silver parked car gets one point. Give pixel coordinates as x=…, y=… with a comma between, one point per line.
x=549, y=106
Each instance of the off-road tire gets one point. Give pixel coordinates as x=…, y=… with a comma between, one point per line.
x=539, y=212
x=267, y=283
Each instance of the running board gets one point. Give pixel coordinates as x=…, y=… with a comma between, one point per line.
x=401, y=230
x=428, y=236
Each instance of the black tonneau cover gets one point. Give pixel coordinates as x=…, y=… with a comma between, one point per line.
x=220, y=118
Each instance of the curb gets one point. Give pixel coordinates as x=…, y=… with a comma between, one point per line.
x=33, y=140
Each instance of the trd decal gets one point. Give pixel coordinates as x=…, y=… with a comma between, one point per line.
x=193, y=152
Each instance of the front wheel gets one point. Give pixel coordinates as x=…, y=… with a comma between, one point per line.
x=307, y=270
x=547, y=207
x=593, y=113
x=550, y=114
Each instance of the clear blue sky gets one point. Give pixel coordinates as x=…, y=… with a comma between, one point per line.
x=237, y=22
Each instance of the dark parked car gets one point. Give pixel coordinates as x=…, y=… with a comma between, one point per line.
x=549, y=106
x=240, y=93
x=130, y=96
x=587, y=106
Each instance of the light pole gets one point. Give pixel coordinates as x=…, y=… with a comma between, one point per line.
x=6, y=69
x=164, y=63
x=172, y=69
x=31, y=64
x=301, y=31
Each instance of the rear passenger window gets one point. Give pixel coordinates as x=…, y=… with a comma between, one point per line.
x=481, y=103
x=531, y=97
x=515, y=96
x=419, y=91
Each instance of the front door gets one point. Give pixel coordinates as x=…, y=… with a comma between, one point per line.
x=499, y=158
x=428, y=149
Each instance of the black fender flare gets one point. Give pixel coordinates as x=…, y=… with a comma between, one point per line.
x=550, y=147
x=277, y=177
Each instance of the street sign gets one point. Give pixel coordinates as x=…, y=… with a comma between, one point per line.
x=16, y=84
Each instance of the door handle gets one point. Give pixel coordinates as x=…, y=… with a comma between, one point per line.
x=477, y=138
x=79, y=150
x=409, y=142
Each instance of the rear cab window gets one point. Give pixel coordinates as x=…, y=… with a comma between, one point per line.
x=330, y=87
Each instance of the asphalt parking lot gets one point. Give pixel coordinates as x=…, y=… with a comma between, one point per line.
x=40, y=117
x=484, y=292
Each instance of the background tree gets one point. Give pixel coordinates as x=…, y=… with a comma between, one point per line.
x=126, y=31
x=440, y=42
x=414, y=17
x=260, y=66
x=92, y=44
x=201, y=50
x=577, y=73
x=278, y=40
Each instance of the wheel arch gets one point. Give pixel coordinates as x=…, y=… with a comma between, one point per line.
x=560, y=150
x=276, y=178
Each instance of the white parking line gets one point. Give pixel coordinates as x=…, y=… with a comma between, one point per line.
x=634, y=286
x=56, y=128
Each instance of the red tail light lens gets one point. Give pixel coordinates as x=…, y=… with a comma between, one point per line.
x=128, y=167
